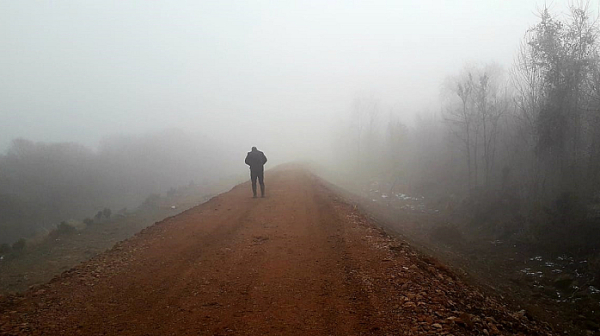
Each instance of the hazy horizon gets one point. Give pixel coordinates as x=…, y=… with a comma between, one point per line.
x=272, y=75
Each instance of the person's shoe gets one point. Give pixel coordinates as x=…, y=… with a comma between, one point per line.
x=262, y=196
x=254, y=196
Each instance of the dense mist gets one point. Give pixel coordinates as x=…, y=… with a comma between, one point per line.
x=512, y=149
x=43, y=184
x=471, y=128
x=479, y=106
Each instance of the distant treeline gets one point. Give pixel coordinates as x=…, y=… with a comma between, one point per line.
x=518, y=150
x=42, y=184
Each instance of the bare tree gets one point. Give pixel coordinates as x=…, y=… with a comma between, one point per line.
x=364, y=114
x=461, y=118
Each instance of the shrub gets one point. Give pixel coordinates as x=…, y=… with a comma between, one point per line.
x=88, y=221
x=106, y=212
x=19, y=245
x=65, y=227
x=5, y=248
x=152, y=201
x=98, y=216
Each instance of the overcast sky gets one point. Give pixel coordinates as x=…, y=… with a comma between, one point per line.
x=264, y=73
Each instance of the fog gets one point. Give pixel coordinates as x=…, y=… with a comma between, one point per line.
x=274, y=75
x=470, y=127
x=161, y=93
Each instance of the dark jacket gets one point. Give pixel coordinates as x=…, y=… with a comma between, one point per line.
x=256, y=160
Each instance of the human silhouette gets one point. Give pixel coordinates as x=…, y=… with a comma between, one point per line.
x=256, y=160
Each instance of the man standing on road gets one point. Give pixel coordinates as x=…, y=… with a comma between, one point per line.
x=256, y=160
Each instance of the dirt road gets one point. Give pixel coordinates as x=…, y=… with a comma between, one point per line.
x=298, y=262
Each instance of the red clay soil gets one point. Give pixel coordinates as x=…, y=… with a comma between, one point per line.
x=298, y=262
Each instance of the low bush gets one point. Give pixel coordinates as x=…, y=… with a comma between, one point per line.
x=106, y=212
x=19, y=245
x=65, y=228
x=5, y=249
x=152, y=202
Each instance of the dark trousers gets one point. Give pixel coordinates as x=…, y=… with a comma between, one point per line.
x=260, y=174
